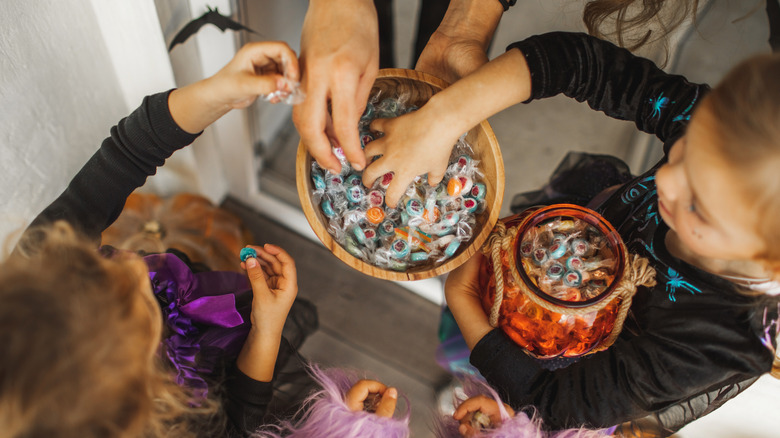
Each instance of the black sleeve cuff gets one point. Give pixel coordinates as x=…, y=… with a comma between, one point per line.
x=507, y=4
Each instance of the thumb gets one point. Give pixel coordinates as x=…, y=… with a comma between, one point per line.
x=266, y=84
x=256, y=275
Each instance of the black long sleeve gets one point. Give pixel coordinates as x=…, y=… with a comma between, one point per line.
x=245, y=402
x=138, y=145
x=610, y=79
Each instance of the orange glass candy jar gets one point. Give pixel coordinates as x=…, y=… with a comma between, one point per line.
x=558, y=275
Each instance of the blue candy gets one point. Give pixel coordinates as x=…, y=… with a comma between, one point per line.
x=246, y=253
x=452, y=247
x=400, y=248
x=418, y=256
x=327, y=208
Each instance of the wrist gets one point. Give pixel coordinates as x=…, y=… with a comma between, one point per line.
x=439, y=110
x=469, y=19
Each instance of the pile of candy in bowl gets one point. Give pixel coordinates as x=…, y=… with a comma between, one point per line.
x=429, y=223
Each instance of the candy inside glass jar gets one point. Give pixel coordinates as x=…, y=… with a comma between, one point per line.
x=559, y=275
x=430, y=223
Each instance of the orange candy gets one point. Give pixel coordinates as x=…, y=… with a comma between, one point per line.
x=432, y=215
x=454, y=187
x=375, y=215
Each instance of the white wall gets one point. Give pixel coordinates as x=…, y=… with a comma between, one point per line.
x=59, y=97
x=70, y=70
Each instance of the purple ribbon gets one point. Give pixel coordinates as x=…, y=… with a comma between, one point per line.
x=201, y=314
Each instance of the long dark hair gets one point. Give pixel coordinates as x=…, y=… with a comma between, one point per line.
x=629, y=21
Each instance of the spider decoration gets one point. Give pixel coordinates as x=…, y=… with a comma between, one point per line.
x=676, y=280
x=659, y=104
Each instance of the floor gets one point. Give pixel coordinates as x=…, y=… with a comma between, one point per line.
x=378, y=326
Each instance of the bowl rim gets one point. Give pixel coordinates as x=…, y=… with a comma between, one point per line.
x=591, y=217
x=303, y=181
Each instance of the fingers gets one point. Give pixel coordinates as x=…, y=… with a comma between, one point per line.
x=316, y=141
x=386, y=406
x=265, y=84
x=284, y=267
x=477, y=403
x=466, y=274
x=346, y=115
x=360, y=391
x=278, y=52
x=467, y=412
x=256, y=275
x=434, y=177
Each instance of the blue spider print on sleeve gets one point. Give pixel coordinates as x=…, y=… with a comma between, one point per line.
x=658, y=104
x=675, y=280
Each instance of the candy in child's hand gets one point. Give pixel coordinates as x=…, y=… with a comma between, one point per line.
x=371, y=403
x=480, y=421
x=247, y=253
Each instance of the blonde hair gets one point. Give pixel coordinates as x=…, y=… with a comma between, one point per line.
x=629, y=21
x=746, y=110
x=78, y=345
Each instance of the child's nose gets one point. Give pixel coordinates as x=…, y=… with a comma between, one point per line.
x=665, y=180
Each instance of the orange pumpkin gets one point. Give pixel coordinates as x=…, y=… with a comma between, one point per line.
x=188, y=222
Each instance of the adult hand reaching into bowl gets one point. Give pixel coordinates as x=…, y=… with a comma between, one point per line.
x=340, y=60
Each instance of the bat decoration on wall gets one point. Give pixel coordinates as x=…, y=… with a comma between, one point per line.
x=212, y=16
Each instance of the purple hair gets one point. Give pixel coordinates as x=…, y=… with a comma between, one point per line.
x=325, y=413
x=519, y=426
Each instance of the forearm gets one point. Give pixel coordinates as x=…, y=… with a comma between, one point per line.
x=495, y=86
x=194, y=107
x=258, y=355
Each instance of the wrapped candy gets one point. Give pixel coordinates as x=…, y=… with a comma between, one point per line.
x=429, y=225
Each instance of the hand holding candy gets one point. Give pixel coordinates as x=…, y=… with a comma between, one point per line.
x=257, y=69
x=412, y=145
x=274, y=285
x=475, y=412
x=372, y=396
x=271, y=272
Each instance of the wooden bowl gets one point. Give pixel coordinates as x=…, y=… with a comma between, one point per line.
x=419, y=87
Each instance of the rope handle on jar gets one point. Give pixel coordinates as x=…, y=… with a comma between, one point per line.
x=639, y=273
